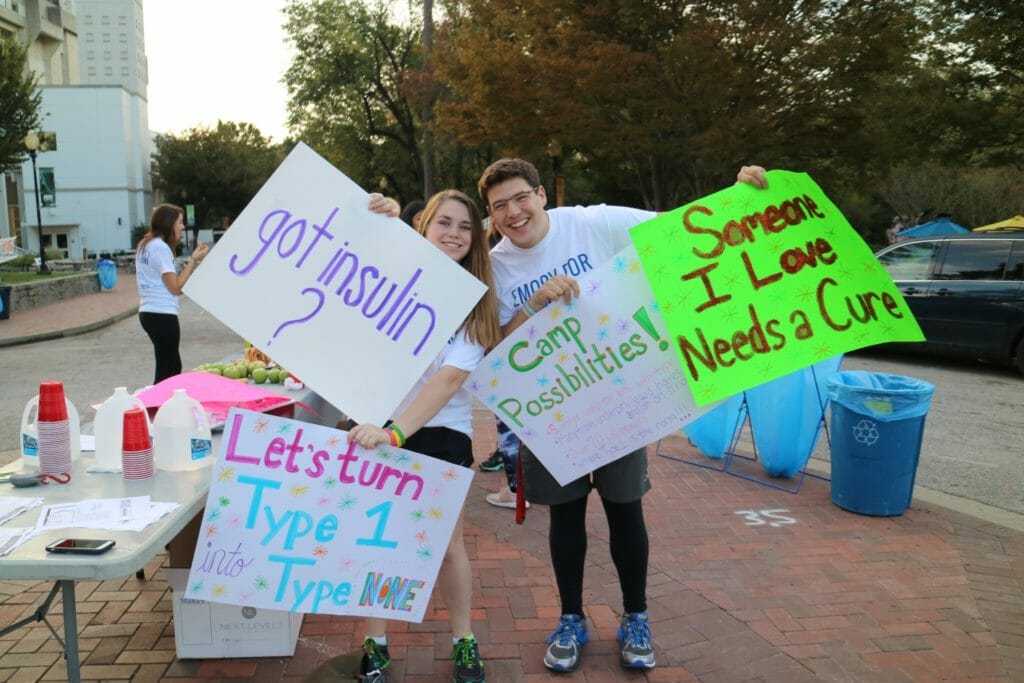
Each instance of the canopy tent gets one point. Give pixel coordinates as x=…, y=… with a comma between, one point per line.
x=1015, y=223
x=940, y=226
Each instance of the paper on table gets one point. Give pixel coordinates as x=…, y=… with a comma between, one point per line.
x=87, y=442
x=12, y=506
x=95, y=513
x=13, y=537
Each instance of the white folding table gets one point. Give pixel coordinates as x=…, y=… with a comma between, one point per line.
x=131, y=553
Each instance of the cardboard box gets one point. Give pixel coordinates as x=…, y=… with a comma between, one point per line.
x=210, y=630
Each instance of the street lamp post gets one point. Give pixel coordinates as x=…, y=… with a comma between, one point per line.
x=32, y=144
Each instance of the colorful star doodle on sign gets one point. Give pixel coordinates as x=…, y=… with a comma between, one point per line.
x=421, y=537
x=223, y=501
x=261, y=584
x=226, y=474
x=219, y=590
x=346, y=502
x=425, y=552
x=418, y=515
x=435, y=513
x=299, y=490
x=593, y=288
x=211, y=530
x=450, y=474
x=333, y=441
x=284, y=428
x=197, y=587
x=330, y=483
x=260, y=426
x=319, y=551
x=214, y=515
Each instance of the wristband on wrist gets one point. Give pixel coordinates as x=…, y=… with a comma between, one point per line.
x=400, y=436
x=528, y=309
x=393, y=437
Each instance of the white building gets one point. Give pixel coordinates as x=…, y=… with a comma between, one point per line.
x=96, y=185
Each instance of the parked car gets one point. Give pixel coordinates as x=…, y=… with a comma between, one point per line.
x=966, y=291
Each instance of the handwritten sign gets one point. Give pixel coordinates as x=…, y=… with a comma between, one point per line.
x=586, y=383
x=299, y=520
x=353, y=303
x=755, y=284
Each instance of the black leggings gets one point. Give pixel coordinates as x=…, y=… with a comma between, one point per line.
x=165, y=333
x=629, y=548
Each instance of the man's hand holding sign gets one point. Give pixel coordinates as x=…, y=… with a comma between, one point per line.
x=754, y=284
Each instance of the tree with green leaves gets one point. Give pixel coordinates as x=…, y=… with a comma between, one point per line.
x=670, y=98
x=348, y=87
x=19, y=105
x=219, y=169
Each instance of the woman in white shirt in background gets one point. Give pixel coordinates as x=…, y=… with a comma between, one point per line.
x=160, y=285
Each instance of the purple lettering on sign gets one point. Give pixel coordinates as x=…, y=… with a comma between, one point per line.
x=379, y=297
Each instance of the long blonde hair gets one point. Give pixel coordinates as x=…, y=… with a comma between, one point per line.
x=481, y=325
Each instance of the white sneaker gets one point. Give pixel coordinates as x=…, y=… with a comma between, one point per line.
x=503, y=499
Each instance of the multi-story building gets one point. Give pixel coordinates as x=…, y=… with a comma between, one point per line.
x=95, y=185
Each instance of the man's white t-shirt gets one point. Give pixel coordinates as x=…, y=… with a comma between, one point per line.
x=457, y=414
x=150, y=265
x=579, y=239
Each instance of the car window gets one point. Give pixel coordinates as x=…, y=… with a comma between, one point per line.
x=974, y=260
x=909, y=261
x=1015, y=266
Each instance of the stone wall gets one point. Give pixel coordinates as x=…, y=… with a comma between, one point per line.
x=41, y=292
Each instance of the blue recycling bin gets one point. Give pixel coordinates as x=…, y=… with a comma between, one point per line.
x=877, y=427
x=107, y=270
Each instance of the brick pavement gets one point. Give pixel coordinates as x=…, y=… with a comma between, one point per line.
x=932, y=595
x=823, y=595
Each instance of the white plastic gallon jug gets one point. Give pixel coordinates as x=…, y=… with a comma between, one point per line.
x=181, y=434
x=108, y=425
x=30, y=433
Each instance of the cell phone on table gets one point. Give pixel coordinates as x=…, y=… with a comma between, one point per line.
x=91, y=546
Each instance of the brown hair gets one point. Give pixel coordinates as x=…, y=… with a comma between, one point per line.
x=161, y=224
x=506, y=169
x=481, y=325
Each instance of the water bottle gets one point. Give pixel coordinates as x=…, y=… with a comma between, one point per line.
x=181, y=434
x=108, y=427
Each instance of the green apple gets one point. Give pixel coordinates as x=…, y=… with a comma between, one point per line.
x=259, y=375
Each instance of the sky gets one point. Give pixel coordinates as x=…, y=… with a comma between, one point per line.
x=216, y=59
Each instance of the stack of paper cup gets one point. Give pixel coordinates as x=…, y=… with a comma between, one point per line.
x=136, y=448
x=54, y=429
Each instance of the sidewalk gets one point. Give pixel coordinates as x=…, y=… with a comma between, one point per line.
x=72, y=316
x=810, y=593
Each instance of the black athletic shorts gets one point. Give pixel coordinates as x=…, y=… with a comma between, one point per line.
x=442, y=443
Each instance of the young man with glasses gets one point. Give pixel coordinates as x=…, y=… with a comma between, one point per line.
x=538, y=260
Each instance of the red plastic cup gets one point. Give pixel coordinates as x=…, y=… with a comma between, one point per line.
x=135, y=431
x=52, y=406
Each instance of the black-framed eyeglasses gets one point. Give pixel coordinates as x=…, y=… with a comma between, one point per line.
x=520, y=199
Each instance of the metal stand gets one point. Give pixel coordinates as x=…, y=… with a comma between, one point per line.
x=728, y=461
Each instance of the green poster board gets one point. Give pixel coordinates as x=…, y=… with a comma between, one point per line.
x=754, y=284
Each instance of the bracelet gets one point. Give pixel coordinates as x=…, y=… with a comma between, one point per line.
x=393, y=438
x=528, y=308
x=398, y=433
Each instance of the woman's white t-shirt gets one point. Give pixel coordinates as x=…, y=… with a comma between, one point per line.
x=150, y=265
x=457, y=414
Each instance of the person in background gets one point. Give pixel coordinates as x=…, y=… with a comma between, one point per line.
x=412, y=213
x=160, y=285
x=435, y=419
x=535, y=243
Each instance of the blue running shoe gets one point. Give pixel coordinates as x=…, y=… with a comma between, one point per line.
x=564, y=644
x=635, y=637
